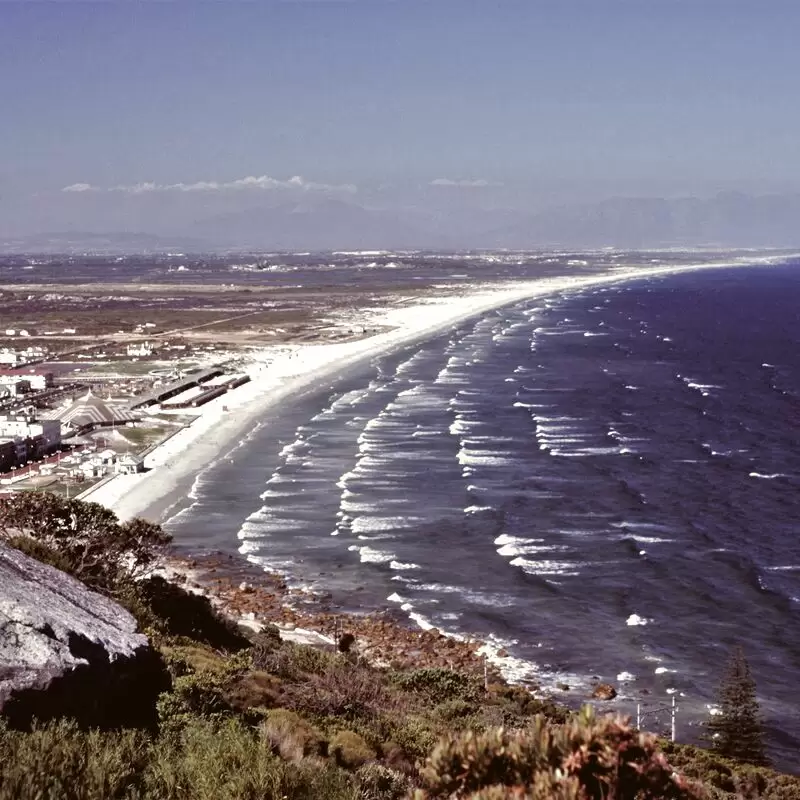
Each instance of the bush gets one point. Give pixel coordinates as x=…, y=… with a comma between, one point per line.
x=343, y=691
x=730, y=777
x=376, y=782
x=415, y=736
x=60, y=761
x=91, y=543
x=456, y=709
x=192, y=695
x=290, y=736
x=176, y=612
x=209, y=761
x=440, y=685
x=293, y=662
x=588, y=758
x=253, y=690
x=350, y=750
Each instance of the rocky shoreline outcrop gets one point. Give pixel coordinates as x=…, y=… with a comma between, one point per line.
x=254, y=597
x=66, y=651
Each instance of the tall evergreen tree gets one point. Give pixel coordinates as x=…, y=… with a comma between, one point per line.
x=736, y=730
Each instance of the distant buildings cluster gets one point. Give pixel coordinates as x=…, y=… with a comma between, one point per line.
x=24, y=438
x=15, y=358
x=19, y=381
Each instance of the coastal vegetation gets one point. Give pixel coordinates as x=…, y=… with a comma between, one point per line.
x=736, y=729
x=251, y=716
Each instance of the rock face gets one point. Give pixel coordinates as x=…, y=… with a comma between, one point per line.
x=68, y=651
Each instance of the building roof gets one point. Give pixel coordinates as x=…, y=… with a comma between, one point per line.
x=92, y=410
x=26, y=372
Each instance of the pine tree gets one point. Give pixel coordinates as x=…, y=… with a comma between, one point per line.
x=736, y=730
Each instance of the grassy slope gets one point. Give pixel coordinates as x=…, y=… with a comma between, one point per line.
x=261, y=718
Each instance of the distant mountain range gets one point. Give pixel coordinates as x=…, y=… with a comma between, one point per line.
x=324, y=223
x=76, y=242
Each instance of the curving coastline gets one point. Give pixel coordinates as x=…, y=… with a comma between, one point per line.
x=280, y=373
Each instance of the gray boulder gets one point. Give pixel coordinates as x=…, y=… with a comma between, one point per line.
x=68, y=651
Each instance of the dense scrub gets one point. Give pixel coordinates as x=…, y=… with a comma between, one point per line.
x=257, y=718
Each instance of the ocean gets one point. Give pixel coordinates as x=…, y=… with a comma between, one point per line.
x=600, y=484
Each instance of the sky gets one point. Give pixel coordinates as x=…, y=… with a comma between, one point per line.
x=137, y=113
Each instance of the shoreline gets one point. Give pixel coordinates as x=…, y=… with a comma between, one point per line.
x=296, y=371
x=255, y=599
x=280, y=372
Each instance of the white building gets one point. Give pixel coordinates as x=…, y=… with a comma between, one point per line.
x=25, y=427
x=128, y=464
x=140, y=350
x=37, y=380
x=10, y=357
x=15, y=384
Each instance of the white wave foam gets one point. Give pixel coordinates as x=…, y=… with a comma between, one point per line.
x=400, y=565
x=626, y=677
x=769, y=476
x=373, y=524
x=369, y=555
x=546, y=566
x=530, y=549
x=423, y=622
x=635, y=620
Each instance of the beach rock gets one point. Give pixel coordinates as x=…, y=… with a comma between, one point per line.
x=605, y=691
x=68, y=651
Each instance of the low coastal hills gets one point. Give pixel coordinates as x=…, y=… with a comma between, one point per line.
x=725, y=220
x=119, y=678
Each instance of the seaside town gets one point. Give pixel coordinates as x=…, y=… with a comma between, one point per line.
x=67, y=425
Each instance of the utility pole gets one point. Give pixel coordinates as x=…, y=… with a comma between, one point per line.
x=672, y=715
x=672, y=708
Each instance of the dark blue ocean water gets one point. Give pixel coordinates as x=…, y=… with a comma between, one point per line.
x=603, y=482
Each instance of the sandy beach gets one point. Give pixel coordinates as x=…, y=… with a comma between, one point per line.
x=280, y=372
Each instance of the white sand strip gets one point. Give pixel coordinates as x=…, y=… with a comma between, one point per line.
x=279, y=372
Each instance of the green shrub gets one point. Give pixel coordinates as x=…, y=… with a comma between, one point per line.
x=440, y=685
x=589, y=757
x=728, y=777
x=376, y=782
x=455, y=709
x=291, y=736
x=265, y=642
x=227, y=761
x=176, y=612
x=415, y=736
x=192, y=695
x=188, y=659
x=293, y=662
x=350, y=750
x=343, y=691
x=58, y=761
x=208, y=761
x=253, y=690
x=89, y=540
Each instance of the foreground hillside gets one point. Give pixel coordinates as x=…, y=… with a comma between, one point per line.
x=222, y=714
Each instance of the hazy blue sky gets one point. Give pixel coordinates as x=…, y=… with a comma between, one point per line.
x=537, y=99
